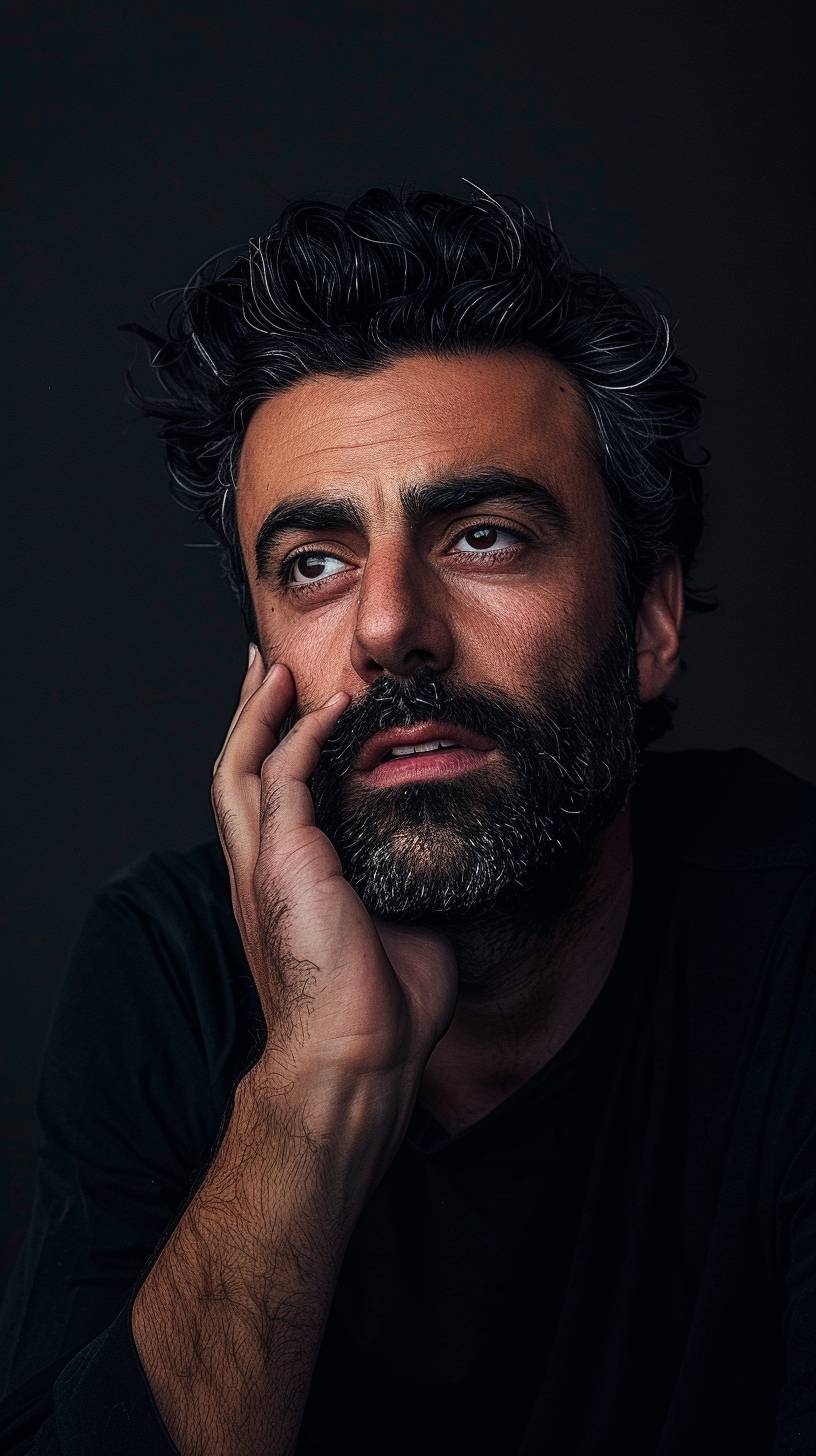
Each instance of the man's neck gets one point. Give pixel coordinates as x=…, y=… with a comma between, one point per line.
x=524, y=991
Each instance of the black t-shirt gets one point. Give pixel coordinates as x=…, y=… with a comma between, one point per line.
x=620, y=1257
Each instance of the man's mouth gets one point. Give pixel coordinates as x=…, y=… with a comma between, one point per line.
x=407, y=749
x=424, y=751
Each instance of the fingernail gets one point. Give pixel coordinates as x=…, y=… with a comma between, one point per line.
x=253, y=653
x=336, y=699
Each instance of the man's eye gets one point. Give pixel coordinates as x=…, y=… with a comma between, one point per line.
x=312, y=566
x=485, y=538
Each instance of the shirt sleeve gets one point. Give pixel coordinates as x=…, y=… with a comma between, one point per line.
x=98, y=1403
x=128, y=1121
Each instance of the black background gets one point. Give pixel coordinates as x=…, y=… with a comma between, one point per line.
x=667, y=142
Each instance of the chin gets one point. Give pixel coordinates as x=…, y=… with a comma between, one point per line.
x=450, y=884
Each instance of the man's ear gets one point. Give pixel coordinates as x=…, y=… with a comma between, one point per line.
x=659, y=619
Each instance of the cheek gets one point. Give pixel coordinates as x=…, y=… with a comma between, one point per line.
x=315, y=648
x=518, y=653
x=513, y=634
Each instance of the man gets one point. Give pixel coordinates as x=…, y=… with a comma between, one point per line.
x=460, y=1097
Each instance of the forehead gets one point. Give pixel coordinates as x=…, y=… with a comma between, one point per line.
x=419, y=417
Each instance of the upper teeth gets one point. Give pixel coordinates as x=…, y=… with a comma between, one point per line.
x=423, y=747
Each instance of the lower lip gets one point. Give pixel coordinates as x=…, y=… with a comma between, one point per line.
x=443, y=763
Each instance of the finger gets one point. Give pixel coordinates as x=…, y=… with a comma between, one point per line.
x=235, y=791
x=285, y=795
x=252, y=677
x=253, y=730
x=255, y=673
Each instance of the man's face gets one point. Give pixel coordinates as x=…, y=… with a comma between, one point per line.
x=434, y=538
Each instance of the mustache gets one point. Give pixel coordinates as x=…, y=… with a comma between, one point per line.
x=517, y=838
x=425, y=696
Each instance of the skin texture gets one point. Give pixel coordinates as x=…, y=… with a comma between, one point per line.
x=228, y=1321
x=365, y=1016
x=403, y=604
x=397, y=597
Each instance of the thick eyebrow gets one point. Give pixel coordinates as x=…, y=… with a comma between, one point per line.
x=304, y=513
x=420, y=503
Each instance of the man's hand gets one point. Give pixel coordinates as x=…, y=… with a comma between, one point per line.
x=229, y=1319
x=353, y=1007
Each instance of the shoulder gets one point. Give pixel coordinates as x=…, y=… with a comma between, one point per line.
x=734, y=834
x=165, y=882
x=159, y=954
x=172, y=909
x=737, y=832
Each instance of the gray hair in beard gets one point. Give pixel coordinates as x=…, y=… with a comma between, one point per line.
x=519, y=835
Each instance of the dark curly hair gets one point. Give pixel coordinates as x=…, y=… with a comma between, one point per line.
x=333, y=290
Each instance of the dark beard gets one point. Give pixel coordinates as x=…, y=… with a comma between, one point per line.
x=519, y=836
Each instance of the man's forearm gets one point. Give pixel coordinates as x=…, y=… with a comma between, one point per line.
x=228, y=1322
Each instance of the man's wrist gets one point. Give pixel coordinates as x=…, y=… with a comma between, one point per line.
x=344, y=1126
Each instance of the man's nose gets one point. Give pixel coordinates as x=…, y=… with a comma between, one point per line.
x=401, y=624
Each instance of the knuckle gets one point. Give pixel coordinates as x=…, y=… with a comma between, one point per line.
x=299, y=858
x=283, y=865
x=269, y=766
